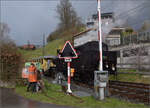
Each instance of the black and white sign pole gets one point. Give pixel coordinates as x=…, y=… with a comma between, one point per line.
x=100, y=36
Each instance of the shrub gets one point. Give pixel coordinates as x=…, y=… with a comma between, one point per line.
x=10, y=63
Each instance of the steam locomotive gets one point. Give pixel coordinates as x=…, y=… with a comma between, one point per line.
x=87, y=62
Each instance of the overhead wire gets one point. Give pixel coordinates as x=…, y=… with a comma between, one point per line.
x=126, y=18
x=138, y=22
x=133, y=23
x=124, y=14
x=71, y=0
x=120, y=15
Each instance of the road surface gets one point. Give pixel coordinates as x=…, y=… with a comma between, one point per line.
x=9, y=99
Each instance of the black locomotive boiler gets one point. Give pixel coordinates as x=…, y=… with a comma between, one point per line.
x=87, y=62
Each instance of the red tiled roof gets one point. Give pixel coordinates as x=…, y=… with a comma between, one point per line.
x=28, y=46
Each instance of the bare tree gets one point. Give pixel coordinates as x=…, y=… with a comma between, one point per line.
x=67, y=15
x=10, y=58
x=4, y=34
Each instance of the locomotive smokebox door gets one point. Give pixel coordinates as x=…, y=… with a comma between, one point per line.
x=100, y=84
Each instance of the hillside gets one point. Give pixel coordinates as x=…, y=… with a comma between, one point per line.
x=53, y=45
x=50, y=49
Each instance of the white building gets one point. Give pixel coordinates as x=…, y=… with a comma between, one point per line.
x=114, y=36
x=85, y=36
x=91, y=32
x=107, y=18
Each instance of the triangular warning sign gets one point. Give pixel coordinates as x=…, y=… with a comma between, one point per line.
x=68, y=51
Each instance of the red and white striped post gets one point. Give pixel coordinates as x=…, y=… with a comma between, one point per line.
x=69, y=89
x=100, y=36
x=68, y=58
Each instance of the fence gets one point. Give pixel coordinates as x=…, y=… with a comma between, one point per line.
x=136, y=66
x=134, y=62
x=139, y=38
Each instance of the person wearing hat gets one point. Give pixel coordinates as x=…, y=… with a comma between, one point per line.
x=32, y=78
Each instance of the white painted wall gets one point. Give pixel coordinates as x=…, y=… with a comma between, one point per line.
x=86, y=37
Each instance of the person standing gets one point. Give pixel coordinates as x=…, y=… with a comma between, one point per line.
x=32, y=78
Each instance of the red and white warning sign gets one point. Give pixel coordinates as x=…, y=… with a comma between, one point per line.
x=68, y=53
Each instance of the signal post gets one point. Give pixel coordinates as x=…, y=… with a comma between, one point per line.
x=100, y=76
x=68, y=53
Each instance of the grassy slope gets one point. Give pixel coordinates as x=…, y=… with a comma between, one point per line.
x=50, y=49
x=131, y=77
x=137, y=78
x=54, y=96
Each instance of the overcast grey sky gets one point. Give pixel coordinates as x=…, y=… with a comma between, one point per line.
x=29, y=20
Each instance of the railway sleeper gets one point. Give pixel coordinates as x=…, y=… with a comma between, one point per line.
x=130, y=83
x=132, y=90
x=130, y=97
x=131, y=86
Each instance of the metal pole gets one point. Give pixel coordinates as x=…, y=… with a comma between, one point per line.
x=101, y=92
x=0, y=69
x=43, y=50
x=137, y=38
x=100, y=37
x=69, y=89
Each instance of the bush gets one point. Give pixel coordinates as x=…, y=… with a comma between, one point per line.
x=10, y=63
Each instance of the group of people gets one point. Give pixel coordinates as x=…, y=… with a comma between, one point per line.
x=34, y=78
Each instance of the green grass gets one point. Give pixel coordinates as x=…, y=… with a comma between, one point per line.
x=54, y=96
x=52, y=46
x=130, y=70
x=132, y=77
x=126, y=70
x=50, y=49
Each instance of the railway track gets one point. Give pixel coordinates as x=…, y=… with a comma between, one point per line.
x=134, y=92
